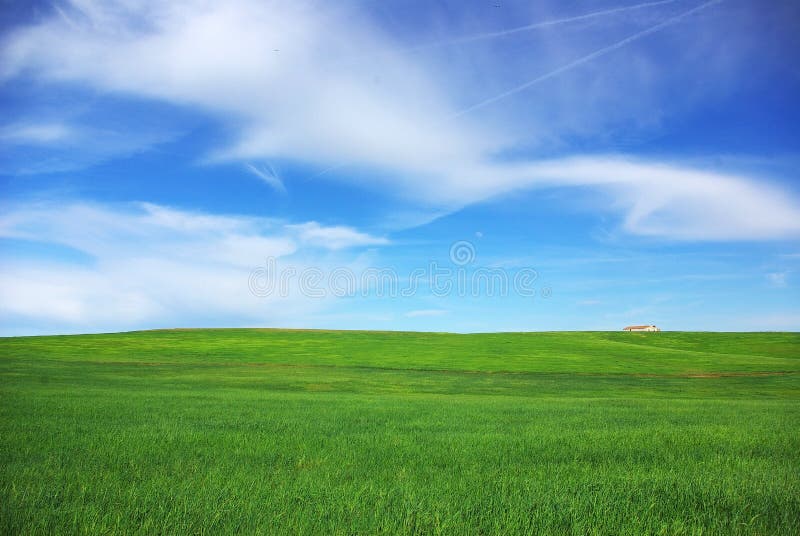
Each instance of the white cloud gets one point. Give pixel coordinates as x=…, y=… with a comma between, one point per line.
x=64, y=146
x=335, y=237
x=36, y=133
x=153, y=266
x=426, y=312
x=653, y=199
x=323, y=86
x=777, y=279
x=677, y=202
x=302, y=101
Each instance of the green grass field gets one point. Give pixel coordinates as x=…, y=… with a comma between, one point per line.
x=243, y=431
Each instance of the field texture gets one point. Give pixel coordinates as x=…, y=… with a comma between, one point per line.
x=244, y=431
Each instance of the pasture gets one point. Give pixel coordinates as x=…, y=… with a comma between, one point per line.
x=325, y=432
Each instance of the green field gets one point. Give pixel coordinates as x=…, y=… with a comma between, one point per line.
x=243, y=431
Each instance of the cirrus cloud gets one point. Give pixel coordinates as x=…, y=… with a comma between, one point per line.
x=294, y=81
x=145, y=265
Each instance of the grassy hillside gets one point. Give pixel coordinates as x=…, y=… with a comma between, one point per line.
x=365, y=432
x=567, y=352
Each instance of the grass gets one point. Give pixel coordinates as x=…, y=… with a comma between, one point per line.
x=243, y=431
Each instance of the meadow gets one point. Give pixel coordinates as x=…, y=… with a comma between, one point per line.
x=325, y=432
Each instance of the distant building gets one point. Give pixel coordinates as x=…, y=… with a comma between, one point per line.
x=641, y=328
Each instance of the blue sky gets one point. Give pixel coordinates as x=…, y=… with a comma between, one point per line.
x=640, y=158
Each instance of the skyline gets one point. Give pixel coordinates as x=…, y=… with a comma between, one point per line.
x=640, y=157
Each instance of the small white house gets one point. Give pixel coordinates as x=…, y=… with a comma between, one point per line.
x=642, y=328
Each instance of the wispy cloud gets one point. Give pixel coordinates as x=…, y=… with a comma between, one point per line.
x=676, y=202
x=36, y=133
x=151, y=265
x=268, y=175
x=59, y=146
x=539, y=25
x=335, y=237
x=426, y=312
x=777, y=279
x=393, y=118
x=585, y=59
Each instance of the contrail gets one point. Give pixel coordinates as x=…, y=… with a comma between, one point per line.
x=325, y=171
x=511, y=31
x=269, y=176
x=587, y=58
x=536, y=25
